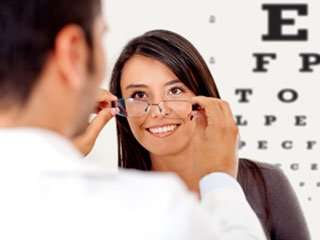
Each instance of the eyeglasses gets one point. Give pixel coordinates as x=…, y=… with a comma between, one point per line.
x=138, y=108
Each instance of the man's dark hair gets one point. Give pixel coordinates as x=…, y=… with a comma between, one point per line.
x=28, y=29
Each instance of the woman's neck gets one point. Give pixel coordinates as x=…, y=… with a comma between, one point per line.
x=182, y=164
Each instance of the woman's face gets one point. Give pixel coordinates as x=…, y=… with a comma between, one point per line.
x=165, y=132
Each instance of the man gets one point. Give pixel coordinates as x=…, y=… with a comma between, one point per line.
x=51, y=65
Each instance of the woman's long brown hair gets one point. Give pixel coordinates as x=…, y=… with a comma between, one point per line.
x=182, y=58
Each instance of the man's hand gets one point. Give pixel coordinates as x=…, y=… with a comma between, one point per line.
x=216, y=138
x=85, y=142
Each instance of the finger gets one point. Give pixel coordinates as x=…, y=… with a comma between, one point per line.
x=105, y=95
x=226, y=109
x=200, y=118
x=98, y=123
x=231, y=124
x=104, y=100
x=210, y=107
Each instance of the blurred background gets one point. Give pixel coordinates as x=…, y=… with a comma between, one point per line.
x=267, y=72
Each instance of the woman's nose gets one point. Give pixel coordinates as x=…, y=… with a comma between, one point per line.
x=157, y=110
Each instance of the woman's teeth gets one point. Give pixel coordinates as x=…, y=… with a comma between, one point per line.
x=164, y=129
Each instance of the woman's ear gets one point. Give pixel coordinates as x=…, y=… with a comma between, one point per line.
x=71, y=54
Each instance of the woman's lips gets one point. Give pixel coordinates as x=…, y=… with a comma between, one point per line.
x=163, y=131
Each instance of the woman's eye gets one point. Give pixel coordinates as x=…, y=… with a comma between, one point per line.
x=176, y=91
x=138, y=95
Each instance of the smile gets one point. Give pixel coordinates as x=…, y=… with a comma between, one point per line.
x=163, y=131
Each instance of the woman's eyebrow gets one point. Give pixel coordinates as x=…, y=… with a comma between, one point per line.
x=172, y=82
x=145, y=86
x=136, y=86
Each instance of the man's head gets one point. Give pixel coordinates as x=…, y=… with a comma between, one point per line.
x=51, y=62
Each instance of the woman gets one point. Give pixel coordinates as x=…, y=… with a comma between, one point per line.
x=163, y=73
x=155, y=132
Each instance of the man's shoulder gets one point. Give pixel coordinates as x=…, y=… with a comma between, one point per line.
x=148, y=185
x=160, y=179
x=119, y=184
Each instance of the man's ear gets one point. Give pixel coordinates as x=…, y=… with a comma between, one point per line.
x=71, y=55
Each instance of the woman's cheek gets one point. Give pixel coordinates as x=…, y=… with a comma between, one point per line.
x=136, y=129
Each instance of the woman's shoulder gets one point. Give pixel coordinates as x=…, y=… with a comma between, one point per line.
x=271, y=195
x=266, y=170
x=268, y=178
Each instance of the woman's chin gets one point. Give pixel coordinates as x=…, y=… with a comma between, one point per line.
x=166, y=148
x=164, y=143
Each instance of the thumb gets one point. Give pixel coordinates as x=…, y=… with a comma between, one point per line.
x=200, y=120
x=97, y=124
x=86, y=141
x=199, y=127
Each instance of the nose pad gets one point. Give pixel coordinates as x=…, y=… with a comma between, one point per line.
x=155, y=110
x=159, y=112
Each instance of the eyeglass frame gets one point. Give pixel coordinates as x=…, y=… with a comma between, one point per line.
x=115, y=104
